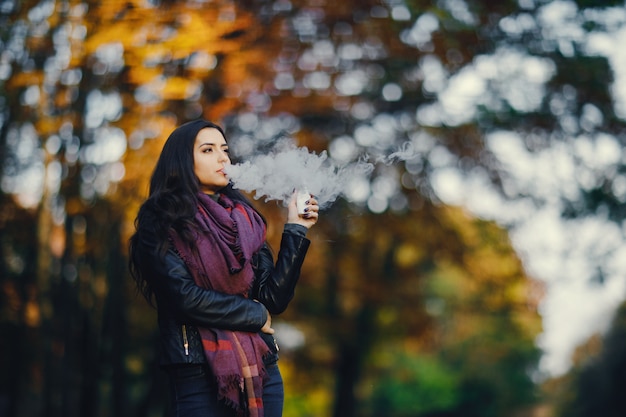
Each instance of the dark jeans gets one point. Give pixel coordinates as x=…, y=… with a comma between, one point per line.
x=194, y=393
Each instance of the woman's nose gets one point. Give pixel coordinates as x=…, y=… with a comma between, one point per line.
x=224, y=156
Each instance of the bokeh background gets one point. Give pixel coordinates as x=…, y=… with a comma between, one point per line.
x=482, y=275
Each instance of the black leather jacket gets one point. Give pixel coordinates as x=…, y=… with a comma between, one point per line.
x=182, y=305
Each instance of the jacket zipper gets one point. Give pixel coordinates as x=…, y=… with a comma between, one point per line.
x=276, y=345
x=185, y=340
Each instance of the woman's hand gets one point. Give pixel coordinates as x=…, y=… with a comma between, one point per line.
x=310, y=215
x=267, y=327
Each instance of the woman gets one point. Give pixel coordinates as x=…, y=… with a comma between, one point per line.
x=199, y=251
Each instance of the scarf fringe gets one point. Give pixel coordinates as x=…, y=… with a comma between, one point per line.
x=227, y=384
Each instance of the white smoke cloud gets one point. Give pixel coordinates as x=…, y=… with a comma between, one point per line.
x=276, y=167
x=275, y=175
x=404, y=153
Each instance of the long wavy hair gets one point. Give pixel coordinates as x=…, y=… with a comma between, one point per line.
x=172, y=200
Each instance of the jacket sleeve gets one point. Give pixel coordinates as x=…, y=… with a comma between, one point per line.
x=275, y=283
x=176, y=289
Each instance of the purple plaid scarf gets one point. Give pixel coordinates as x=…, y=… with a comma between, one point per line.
x=229, y=234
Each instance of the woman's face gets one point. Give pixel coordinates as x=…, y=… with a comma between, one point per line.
x=210, y=155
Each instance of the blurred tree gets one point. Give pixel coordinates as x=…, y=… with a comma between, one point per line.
x=593, y=385
x=428, y=312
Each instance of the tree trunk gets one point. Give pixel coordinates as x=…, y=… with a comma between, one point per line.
x=350, y=363
x=114, y=326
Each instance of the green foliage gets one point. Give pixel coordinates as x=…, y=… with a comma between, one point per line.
x=415, y=385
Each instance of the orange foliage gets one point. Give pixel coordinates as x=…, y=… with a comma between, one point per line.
x=25, y=79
